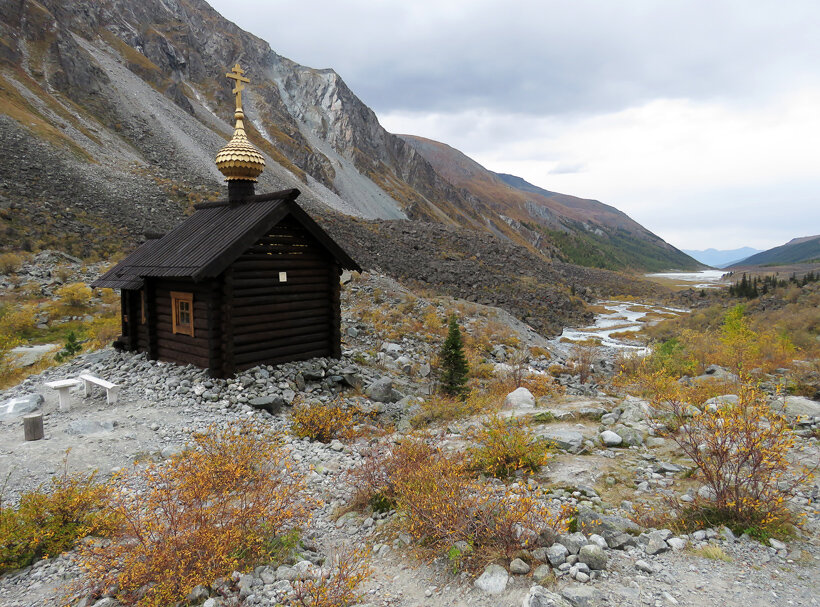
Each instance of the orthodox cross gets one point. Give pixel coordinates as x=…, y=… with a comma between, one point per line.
x=236, y=74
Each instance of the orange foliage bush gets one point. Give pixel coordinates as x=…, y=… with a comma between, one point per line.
x=741, y=450
x=443, y=503
x=323, y=422
x=500, y=447
x=209, y=511
x=342, y=575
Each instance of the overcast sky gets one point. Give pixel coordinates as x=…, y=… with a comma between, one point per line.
x=700, y=119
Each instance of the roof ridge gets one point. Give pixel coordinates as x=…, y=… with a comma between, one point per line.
x=289, y=194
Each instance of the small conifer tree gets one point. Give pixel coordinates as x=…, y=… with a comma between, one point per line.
x=71, y=348
x=454, y=366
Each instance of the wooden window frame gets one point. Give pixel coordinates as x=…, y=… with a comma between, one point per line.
x=177, y=298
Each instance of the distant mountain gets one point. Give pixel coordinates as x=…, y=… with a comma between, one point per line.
x=576, y=230
x=721, y=258
x=797, y=250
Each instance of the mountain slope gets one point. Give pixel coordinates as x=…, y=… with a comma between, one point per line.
x=797, y=250
x=578, y=230
x=111, y=112
x=721, y=258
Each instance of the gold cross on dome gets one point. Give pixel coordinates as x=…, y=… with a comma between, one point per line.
x=236, y=75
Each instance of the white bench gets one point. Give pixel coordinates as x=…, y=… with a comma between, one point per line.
x=112, y=391
x=63, y=387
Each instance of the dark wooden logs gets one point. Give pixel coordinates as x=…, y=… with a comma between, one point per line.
x=228, y=364
x=336, y=311
x=33, y=426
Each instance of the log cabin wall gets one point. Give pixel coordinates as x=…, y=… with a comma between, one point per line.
x=178, y=347
x=282, y=317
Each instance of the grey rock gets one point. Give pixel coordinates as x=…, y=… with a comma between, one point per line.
x=171, y=450
x=17, y=407
x=676, y=543
x=620, y=541
x=541, y=597
x=582, y=577
x=642, y=565
x=707, y=493
x=519, y=567
x=520, y=398
x=557, y=554
x=542, y=573
x=630, y=436
x=598, y=540
x=382, y=391
x=493, y=580
x=605, y=525
x=610, y=438
x=540, y=554
x=580, y=596
x=288, y=396
x=245, y=585
x=271, y=404
x=655, y=545
x=776, y=544
x=84, y=427
x=798, y=406
x=568, y=440
x=593, y=556
x=594, y=413
x=573, y=541
x=197, y=595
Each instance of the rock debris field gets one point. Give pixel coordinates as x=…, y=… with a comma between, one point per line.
x=603, y=441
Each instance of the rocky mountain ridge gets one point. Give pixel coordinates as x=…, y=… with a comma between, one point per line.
x=119, y=106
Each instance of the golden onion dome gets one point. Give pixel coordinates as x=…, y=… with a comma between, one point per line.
x=240, y=159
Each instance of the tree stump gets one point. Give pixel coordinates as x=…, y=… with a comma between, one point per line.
x=33, y=426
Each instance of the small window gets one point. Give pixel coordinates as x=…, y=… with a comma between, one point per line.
x=182, y=312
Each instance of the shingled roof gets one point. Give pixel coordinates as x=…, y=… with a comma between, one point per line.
x=208, y=241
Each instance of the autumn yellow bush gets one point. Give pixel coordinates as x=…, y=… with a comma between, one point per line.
x=323, y=422
x=741, y=451
x=442, y=502
x=50, y=520
x=76, y=295
x=339, y=585
x=218, y=507
x=10, y=263
x=500, y=447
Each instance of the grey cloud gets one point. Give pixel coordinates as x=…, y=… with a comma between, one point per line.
x=537, y=57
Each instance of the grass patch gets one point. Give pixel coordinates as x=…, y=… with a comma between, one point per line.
x=714, y=553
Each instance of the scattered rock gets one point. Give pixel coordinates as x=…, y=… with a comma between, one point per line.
x=520, y=398
x=493, y=580
x=593, y=556
x=541, y=597
x=610, y=438
x=519, y=567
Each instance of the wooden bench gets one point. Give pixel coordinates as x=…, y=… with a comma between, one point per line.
x=112, y=391
x=63, y=387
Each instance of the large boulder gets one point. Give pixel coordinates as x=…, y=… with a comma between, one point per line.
x=19, y=406
x=594, y=556
x=798, y=406
x=568, y=440
x=520, y=398
x=630, y=436
x=382, y=391
x=610, y=438
x=541, y=597
x=493, y=580
x=606, y=525
x=271, y=404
